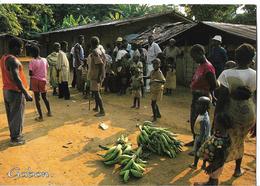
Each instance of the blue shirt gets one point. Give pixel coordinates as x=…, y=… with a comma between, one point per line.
x=202, y=126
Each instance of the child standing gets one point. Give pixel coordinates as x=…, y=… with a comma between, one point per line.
x=38, y=78
x=170, y=79
x=136, y=86
x=201, y=128
x=215, y=149
x=84, y=76
x=156, y=87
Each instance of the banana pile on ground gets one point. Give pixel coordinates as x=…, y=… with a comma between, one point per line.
x=132, y=165
x=113, y=153
x=158, y=140
x=129, y=159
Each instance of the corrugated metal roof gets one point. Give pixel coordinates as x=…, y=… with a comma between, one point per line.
x=163, y=32
x=166, y=31
x=246, y=31
x=121, y=22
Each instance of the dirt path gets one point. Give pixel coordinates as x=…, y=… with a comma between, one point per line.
x=66, y=144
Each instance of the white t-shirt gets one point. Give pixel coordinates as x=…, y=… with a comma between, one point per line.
x=152, y=52
x=120, y=54
x=240, y=77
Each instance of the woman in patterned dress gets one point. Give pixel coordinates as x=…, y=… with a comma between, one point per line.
x=235, y=97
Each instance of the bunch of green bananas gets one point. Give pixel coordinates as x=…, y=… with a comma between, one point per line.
x=112, y=155
x=132, y=165
x=158, y=140
x=122, y=140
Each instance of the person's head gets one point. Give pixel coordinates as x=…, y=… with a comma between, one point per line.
x=172, y=42
x=244, y=55
x=34, y=51
x=156, y=63
x=222, y=122
x=64, y=46
x=216, y=40
x=56, y=47
x=119, y=41
x=150, y=39
x=94, y=41
x=230, y=64
x=81, y=39
x=15, y=46
x=203, y=104
x=197, y=53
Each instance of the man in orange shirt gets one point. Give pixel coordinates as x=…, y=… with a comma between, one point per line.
x=14, y=90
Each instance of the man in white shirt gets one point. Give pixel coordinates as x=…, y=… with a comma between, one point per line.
x=153, y=50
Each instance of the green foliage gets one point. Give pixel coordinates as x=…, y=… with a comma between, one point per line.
x=70, y=21
x=248, y=17
x=8, y=19
x=218, y=13
x=25, y=19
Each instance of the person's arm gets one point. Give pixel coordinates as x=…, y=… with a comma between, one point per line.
x=13, y=67
x=222, y=99
x=100, y=72
x=211, y=78
x=30, y=69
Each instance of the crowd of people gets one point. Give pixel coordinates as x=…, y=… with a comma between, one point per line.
x=229, y=85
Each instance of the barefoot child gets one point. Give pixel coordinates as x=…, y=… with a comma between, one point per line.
x=170, y=84
x=136, y=86
x=215, y=149
x=38, y=78
x=84, y=76
x=156, y=87
x=201, y=128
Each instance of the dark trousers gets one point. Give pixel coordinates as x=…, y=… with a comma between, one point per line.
x=79, y=82
x=73, y=84
x=14, y=105
x=99, y=101
x=64, y=90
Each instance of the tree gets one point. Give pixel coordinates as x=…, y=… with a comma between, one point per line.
x=25, y=20
x=248, y=17
x=218, y=13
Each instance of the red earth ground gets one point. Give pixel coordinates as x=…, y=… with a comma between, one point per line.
x=66, y=145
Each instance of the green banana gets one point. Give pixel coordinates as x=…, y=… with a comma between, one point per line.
x=122, y=173
x=124, y=162
x=114, y=154
x=111, y=150
x=126, y=176
x=145, y=128
x=138, y=160
x=136, y=173
x=136, y=167
x=129, y=164
x=140, y=167
x=111, y=162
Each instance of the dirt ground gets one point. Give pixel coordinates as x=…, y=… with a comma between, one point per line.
x=66, y=145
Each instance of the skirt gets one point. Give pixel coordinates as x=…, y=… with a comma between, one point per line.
x=38, y=85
